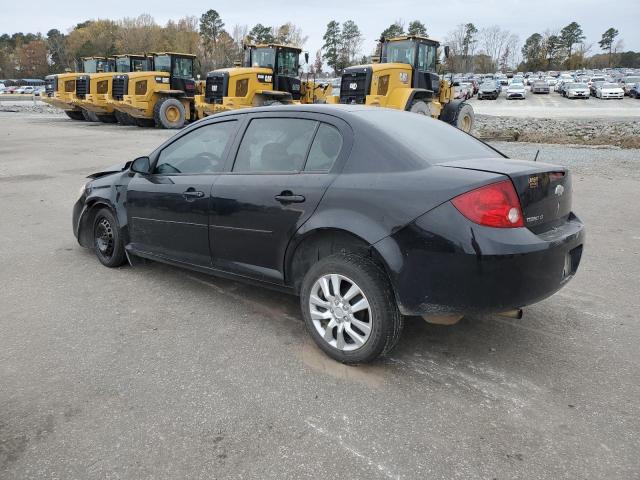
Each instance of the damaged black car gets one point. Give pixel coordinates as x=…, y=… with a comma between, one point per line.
x=368, y=214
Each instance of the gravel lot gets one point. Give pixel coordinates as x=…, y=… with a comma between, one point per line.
x=156, y=372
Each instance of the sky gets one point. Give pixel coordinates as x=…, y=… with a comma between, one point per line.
x=522, y=17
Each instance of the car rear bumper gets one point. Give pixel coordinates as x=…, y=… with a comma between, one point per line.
x=443, y=263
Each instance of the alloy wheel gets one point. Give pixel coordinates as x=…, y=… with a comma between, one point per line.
x=340, y=312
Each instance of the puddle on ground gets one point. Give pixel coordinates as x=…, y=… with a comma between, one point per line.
x=317, y=360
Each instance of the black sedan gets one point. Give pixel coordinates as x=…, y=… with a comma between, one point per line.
x=367, y=214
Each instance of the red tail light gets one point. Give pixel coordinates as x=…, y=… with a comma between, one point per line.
x=496, y=205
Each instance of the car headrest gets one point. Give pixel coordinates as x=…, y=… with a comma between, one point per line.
x=274, y=157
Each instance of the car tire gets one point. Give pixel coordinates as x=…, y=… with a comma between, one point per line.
x=107, y=242
x=169, y=113
x=74, y=115
x=465, y=118
x=377, y=324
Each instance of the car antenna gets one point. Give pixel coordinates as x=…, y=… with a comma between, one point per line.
x=536, y=157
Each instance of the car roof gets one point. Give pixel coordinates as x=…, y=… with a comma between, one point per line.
x=337, y=110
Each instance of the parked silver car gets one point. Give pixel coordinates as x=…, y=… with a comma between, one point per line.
x=577, y=90
x=540, y=86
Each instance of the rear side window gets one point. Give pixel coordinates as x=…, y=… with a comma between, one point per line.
x=324, y=150
x=275, y=145
x=431, y=141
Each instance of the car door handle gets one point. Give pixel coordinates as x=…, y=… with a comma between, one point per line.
x=288, y=197
x=191, y=194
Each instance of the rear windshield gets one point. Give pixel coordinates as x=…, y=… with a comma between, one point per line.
x=432, y=141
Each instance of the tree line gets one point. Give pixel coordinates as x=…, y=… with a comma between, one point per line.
x=483, y=50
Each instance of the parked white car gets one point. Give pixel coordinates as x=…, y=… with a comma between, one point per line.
x=577, y=90
x=610, y=90
x=516, y=91
x=25, y=89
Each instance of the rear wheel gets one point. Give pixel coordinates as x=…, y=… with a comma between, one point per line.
x=106, y=239
x=74, y=115
x=169, y=113
x=465, y=118
x=349, y=308
x=420, y=107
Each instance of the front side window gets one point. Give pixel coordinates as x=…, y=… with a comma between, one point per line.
x=287, y=63
x=163, y=63
x=183, y=67
x=200, y=151
x=399, y=52
x=263, y=57
x=275, y=145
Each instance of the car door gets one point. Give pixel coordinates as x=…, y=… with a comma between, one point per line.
x=168, y=209
x=279, y=174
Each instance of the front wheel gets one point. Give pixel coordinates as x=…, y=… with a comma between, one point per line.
x=74, y=114
x=106, y=240
x=349, y=308
x=169, y=113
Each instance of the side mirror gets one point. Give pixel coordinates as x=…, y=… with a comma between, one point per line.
x=306, y=57
x=141, y=165
x=446, y=51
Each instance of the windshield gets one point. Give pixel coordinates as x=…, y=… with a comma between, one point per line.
x=162, y=63
x=94, y=65
x=399, y=52
x=122, y=64
x=287, y=62
x=263, y=57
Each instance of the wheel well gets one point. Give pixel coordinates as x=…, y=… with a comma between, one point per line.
x=319, y=244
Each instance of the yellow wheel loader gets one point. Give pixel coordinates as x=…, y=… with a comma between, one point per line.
x=162, y=96
x=67, y=90
x=94, y=90
x=268, y=75
x=406, y=79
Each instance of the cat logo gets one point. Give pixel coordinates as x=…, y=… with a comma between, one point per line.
x=264, y=78
x=404, y=77
x=533, y=182
x=214, y=88
x=353, y=86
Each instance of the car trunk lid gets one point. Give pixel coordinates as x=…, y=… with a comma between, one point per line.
x=544, y=190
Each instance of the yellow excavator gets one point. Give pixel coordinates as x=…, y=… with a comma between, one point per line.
x=162, y=96
x=268, y=75
x=405, y=78
x=94, y=90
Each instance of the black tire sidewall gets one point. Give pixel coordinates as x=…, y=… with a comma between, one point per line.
x=373, y=283
x=118, y=257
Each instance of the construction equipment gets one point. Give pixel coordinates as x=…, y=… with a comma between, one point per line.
x=406, y=79
x=61, y=90
x=267, y=75
x=93, y=91
x=162, y=96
